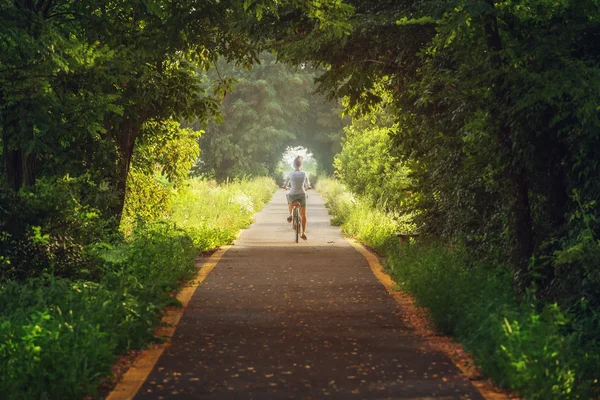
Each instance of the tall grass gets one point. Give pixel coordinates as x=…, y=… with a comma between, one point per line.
x=536, y=349
x=356, y=217
x=59, y=338
x=213, y=214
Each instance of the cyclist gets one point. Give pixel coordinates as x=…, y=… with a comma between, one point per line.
x=298, y=181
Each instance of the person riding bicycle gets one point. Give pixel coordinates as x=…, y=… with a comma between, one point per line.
x=298, y=181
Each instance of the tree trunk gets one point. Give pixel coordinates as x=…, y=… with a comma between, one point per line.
x=126, y=145
x=515, y=174
x=11, y=157
x=12, y=164
x=19, y=166
x=560, y=187
x=28, y=168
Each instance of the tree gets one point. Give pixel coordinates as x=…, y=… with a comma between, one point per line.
x=84, y=77
x=367, y=163
x=47, y=100
x=270, y=108
x=80, y=80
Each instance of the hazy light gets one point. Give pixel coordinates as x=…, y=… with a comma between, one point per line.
x=293, y=152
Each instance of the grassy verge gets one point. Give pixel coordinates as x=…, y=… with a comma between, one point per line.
x=59, y=337
x=538, y=350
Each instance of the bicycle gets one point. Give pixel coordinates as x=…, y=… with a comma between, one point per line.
x=296, y=219
x=296, y=216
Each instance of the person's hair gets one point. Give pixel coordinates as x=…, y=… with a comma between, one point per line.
x=298, y=162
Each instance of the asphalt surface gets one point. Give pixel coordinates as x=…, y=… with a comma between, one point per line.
x=280, y=320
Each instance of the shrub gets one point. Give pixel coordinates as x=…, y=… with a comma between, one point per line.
x=51, y=342
x=148, y=199
x=358, y=218
x=46, y=227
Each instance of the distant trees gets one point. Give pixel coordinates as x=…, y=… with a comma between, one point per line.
x=270, y=107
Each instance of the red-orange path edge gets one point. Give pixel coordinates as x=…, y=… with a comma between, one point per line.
x=137, y=374
x=485, y=388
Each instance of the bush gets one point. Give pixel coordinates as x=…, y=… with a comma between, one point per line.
x=539, y=351
x=148, y=199
x=45, y=229
x=358, y=218
x=58, y=338
x=56, y=341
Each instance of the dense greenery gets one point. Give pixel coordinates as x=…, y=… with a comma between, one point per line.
x=270, y=108
x=542, y=352
x=60, y=332
x=501, y=139
x=475, y=123
x=368, y=165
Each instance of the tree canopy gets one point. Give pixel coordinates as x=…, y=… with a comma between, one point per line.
x=83, y=81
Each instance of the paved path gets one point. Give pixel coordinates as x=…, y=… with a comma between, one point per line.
x=280, y=320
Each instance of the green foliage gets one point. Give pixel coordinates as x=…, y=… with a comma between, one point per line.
x=213, y=214
x=358, y=218
x=46, y=227
x=148, y=199
x=576, y=261
x=59, y=337
x=541, y=351
x=535, y=352
x=166, y=147
x=141, y=262
x=366, y=163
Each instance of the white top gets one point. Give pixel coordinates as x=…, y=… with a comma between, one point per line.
x=297, y=180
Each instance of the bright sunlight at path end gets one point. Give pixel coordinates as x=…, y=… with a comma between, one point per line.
x=276, y=319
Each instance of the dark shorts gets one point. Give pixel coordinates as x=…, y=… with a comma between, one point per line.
x=297, y=198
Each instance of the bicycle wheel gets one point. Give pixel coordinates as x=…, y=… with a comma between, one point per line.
x=298, y=222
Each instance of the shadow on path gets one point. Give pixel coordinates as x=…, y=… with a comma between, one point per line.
x=280, y=320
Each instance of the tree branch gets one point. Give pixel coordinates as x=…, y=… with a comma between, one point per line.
x=376, y=62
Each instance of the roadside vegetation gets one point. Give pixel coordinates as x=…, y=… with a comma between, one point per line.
x=78, y=301
x=541, y=351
